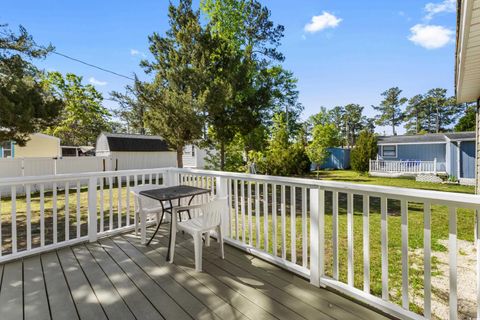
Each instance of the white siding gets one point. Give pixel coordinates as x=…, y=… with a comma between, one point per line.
x=143, y=160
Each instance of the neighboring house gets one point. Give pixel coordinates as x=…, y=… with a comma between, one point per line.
x=39, y=145
x=82, y=151
x=338, y=158
x=194, y=157
x=467, y=68
x=134, y=151
x=450, y=153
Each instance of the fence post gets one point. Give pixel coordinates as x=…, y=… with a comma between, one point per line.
x=317, y=235
x=222, y=191
x=435, y=165
x=369, y=165
x=92, y=209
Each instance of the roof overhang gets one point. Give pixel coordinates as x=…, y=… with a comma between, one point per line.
x=467, y=56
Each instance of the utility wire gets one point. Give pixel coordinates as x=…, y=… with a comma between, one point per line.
x=81, y=61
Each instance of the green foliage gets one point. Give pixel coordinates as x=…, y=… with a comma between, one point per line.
x=132, y=108
x=25, y=106
x=415, y=114
x=82, y=117
x=390, y=109
x=365, y=150
x=283, y=157
x=467, y=121
x=175, y=99
x=441, y=111
x=323, y=137
x=234, y=157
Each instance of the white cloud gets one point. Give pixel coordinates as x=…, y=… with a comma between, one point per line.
x=435, y=8
x=431, y=36
x=321, y=22
x=96, y=82
x=134, y=52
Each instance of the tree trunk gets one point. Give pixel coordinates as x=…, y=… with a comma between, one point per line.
x=437, y=122
x=180, y=156
x=222, y=156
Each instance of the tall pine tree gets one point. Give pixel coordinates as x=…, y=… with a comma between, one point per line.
x=390, y=109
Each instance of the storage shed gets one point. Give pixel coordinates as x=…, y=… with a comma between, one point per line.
x=38, y=145
x=134, y=151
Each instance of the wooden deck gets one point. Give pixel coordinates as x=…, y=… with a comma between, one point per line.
x=117, y=278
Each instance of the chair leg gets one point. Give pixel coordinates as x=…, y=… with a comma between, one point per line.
x=172, y=241
x=143, y=228
x=220, y=240
x=207, y=239
x=197, y=241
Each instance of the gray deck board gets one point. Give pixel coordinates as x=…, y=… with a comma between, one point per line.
x=58, y=292
x=119, y=278
x=112, y=302
x=11, y=294
x=214, y=302
x=35, y=295
x=87, y=303
x=137, y=302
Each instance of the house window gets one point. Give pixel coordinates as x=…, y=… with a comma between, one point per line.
x=389, y=151
x=193, y=151
x=6, y=149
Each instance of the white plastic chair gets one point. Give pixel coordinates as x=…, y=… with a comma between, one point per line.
x=145, y=207
x=210, y=219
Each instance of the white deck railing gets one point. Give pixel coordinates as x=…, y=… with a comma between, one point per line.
x=306, y=226
x=406, y=166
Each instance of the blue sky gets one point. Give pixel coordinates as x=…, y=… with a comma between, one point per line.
x=340, y=51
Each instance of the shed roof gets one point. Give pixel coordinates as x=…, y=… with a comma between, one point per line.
x=135, y=142
x=426, y=138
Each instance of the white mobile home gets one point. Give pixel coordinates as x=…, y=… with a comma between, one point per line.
x=194, y=157
x=134, y=151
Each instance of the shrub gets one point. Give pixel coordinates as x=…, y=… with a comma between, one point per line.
x=365, y=150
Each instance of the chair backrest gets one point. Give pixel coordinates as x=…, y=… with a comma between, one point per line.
x=213, y=211
x=142, y=202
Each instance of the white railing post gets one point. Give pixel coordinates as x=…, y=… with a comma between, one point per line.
x=435, y=165
x=370, y=165
x=317, y=235
x=171, y=178
x=92, y=209
x=222, y=191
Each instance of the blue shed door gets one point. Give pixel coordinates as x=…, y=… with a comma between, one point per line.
x=467, y=159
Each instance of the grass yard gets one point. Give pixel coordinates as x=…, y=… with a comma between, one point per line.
x=77, y=204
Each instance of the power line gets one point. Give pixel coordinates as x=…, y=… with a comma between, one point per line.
x=81, y=61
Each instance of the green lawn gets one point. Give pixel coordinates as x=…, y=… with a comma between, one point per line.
x=415, y=220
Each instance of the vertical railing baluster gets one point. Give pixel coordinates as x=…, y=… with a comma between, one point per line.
x=249, y=210
x=366, y=243
x=110, y=199
x=427, y=260
x=78, y=210
x=477, y=247
x=235, y=191
x=265, y=216
x=350, y=238
x=127, y=199
x=257, y=214
x=67, y=211
x=242, y=205
x=335, y=233
x=119, y=191
x=283, y=227
x=229, y=190
x=452, y=261
x=384, y=243
x=29, y=215
x=1, y=240
x=102, y=213
x=274, y=219
x=42, y=215
x=13, y=214
x=293, y=225
x=54, y=213
x=404, y=217
x=304, y=229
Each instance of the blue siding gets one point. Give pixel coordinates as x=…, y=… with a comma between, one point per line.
x=423, y=152
x=467, y=163
x=338, y=159
x=453, y=159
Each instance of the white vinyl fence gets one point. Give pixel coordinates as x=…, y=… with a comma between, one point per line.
x=361, y=240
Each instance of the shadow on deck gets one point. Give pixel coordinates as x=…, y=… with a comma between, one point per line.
x=118, y=278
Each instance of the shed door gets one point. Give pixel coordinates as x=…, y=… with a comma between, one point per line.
x=467, y=159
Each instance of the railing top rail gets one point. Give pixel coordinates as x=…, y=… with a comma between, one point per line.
x=74, y=176
x=437, y=197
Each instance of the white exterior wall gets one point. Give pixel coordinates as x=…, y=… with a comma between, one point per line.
x=143, y=160
x=197, y=160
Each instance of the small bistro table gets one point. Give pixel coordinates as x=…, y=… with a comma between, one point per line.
x=170, y=194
